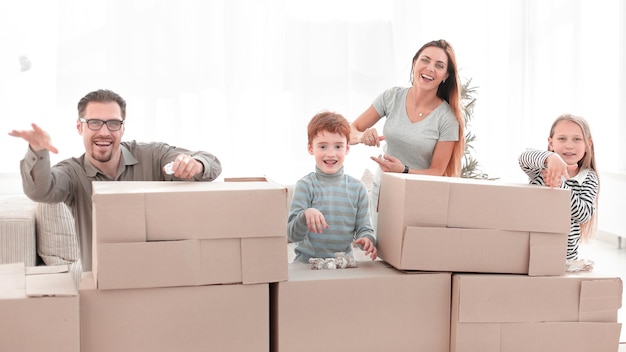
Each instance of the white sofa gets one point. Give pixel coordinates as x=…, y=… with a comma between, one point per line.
x=18, y=230
x=38, y=234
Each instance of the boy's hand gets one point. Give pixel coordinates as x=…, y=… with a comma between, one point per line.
x=368, y=247
x=315, y=221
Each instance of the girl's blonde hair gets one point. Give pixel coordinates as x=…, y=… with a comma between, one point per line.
x=588, y=161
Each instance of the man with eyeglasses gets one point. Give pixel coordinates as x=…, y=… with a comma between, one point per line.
x=101, y=118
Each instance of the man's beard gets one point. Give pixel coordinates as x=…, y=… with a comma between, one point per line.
x=103, y=158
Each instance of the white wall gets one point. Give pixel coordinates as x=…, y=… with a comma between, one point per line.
x=10, y=183
x=612, y=203
x=241, y=78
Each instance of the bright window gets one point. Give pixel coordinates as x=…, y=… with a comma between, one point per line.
x=241, y=78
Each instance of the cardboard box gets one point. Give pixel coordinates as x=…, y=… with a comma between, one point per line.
x=370, y=308
x=166, y=234
x=199, y=318
x=190, y=262
x=475, y=250
x=39, y=309
x=467, y=225
x=131, y=211
x=430, y=201
x=494, y=313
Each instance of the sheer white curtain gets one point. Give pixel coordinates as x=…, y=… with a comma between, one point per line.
x=242, y=78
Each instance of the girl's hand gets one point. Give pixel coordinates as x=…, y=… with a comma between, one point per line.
x=556, y=171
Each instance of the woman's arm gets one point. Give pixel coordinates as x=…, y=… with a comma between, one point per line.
x=438, y=164
x=441, y=159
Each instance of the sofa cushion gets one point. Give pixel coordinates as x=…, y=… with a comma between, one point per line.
x=57, y=241
x=17, y=230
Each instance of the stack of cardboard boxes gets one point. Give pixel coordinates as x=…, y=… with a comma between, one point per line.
x=467, y=266
x=505, y=245
x=183, y=266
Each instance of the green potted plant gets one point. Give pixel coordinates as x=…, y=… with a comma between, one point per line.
x=470, y=168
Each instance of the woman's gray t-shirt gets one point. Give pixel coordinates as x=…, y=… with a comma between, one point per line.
x=414, y=142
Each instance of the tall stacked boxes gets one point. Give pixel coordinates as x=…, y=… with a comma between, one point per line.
x=183, y=265
x=39, y=309
x=506, y=246
x=373, y=307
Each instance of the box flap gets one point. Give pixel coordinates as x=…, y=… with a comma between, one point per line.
x=17, y=281
x=465, y=250
x=55, y=284
x=12, y=281
x=148, y=264
x=264, y=260
x=118, y=217
x=517, y=298
x=476, y=338
x=547, y=251
x=47, y=269
x=600, y=300
x=227, y=210
x=408, y=200
x=525, y=299
x=510, y=206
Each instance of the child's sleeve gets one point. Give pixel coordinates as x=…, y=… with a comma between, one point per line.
x=583, y=198
x=363, y=226
x=296, y=222
x=532, y=161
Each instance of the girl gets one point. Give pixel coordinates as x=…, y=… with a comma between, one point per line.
x=569, y=163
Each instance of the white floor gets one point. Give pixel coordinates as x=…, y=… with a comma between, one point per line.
x=609, y=260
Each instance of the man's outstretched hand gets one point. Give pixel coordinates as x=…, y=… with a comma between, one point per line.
x=37, y=138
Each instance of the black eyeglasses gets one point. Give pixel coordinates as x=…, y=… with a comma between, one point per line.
x=96, y=125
